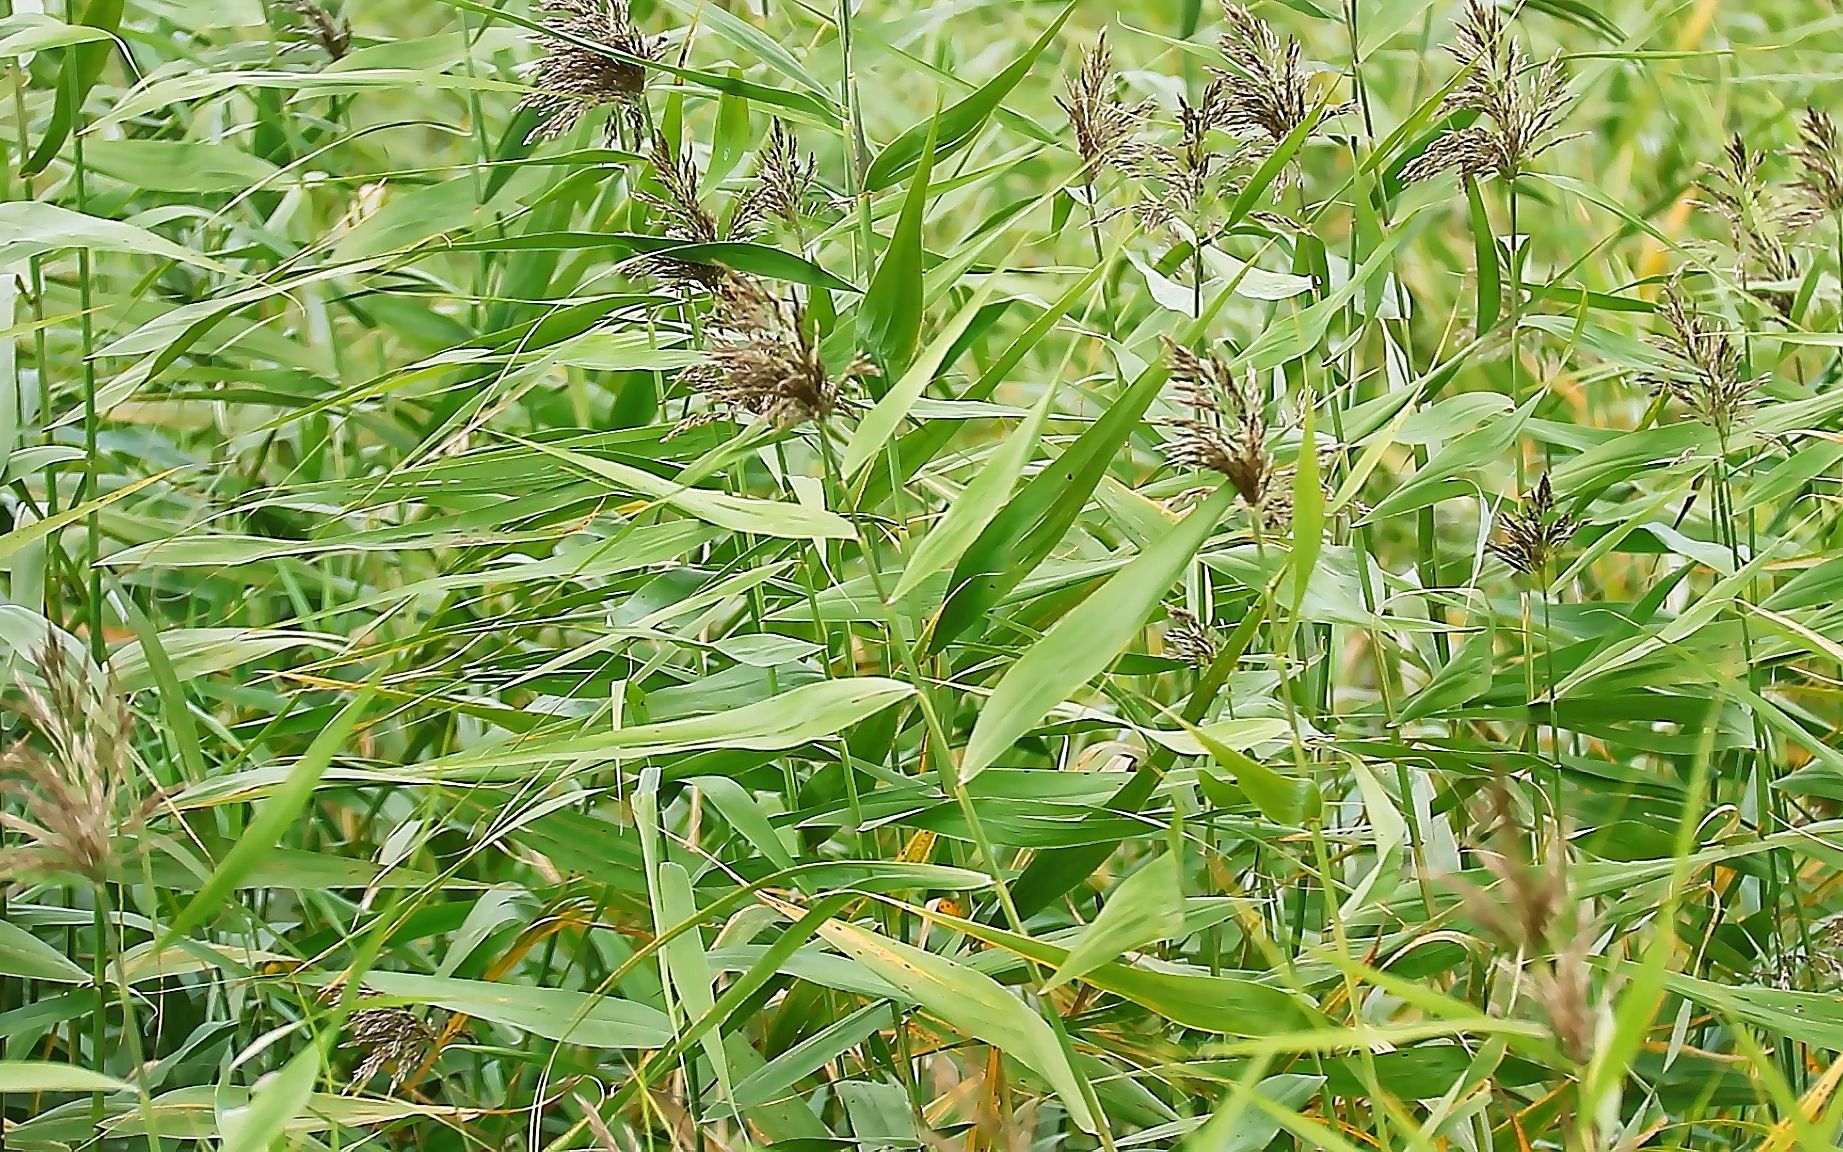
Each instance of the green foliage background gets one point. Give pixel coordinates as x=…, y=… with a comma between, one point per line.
x=522, y=751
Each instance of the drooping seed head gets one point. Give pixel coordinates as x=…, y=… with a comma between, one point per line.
x=1268, y=92
x=574, y=78
x=1736, y=188
x=1533, y=910
x=764, y=364
x=1226, y=432
x=684, y=217
x=318, y=26
x=1189, y=639
x=393, y=1039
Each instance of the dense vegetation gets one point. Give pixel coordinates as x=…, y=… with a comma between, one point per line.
x=987, y=574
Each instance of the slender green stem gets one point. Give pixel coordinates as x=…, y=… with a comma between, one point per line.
x=87, y=368
x=938, y=740
x=99, y=973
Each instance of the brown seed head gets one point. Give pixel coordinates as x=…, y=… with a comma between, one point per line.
x=1268, y=91
x=1737, y=190
x=677, y=172
x=1227, y=432
x=684, y=217
x=393, y=1039
x=72, y=783
x=785, y=180
x=1707, y=379
x=766, y=366
x=574, y=78
x=1102, y=123
x=1820, y=158
x=318, y=26
x=1530, y=537
x=1188, y=638
x=1190, y=176
x=1520, y=114
x=1532, y=909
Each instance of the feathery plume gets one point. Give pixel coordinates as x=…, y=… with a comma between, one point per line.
x=1737, y=191
x=677, y=172
x=1708, y=379
x=685, y=218
x=765, y=365
x=1189, y=176
x=391, y=1039
x=1227, y=433
x=1520, y=115
x=1536, y=913
x=572, y=79
x=785, y=179
x=1268, y=92
x=1103, y=124
x=73, y=788
x=1820, y=159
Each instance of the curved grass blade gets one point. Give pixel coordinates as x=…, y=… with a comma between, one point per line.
x=1084, y=642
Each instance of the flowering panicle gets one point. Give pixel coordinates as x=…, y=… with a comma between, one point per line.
x=1531, y=536
x=73, y=788
x=1820, y=160
x=1737, y=191
x=1191, y=176
x=785, y=181
x=392, y=1039
x=1708, y=379
x=764, y=364
x=1519, y=114
x=684, y=214
x=1105, y=127
x=1227, y=433
x=1536, y=913
x=685, y=218
x=1189, y=639
x=1268, y=92
x=318, y=26
x=575, y=78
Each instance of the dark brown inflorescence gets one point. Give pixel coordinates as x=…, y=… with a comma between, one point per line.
x=317, y=26
x=1738, y=192
x=786, y=180
x=1189, y=639
x=1534, y=910
x=575, y=78
x=392, y=1039
x=1227, y=433
x=1820, y=162
x=1268, y=89
x=1531, y=536
x=1519, y=115
x=685, y=218
x=763, y=364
